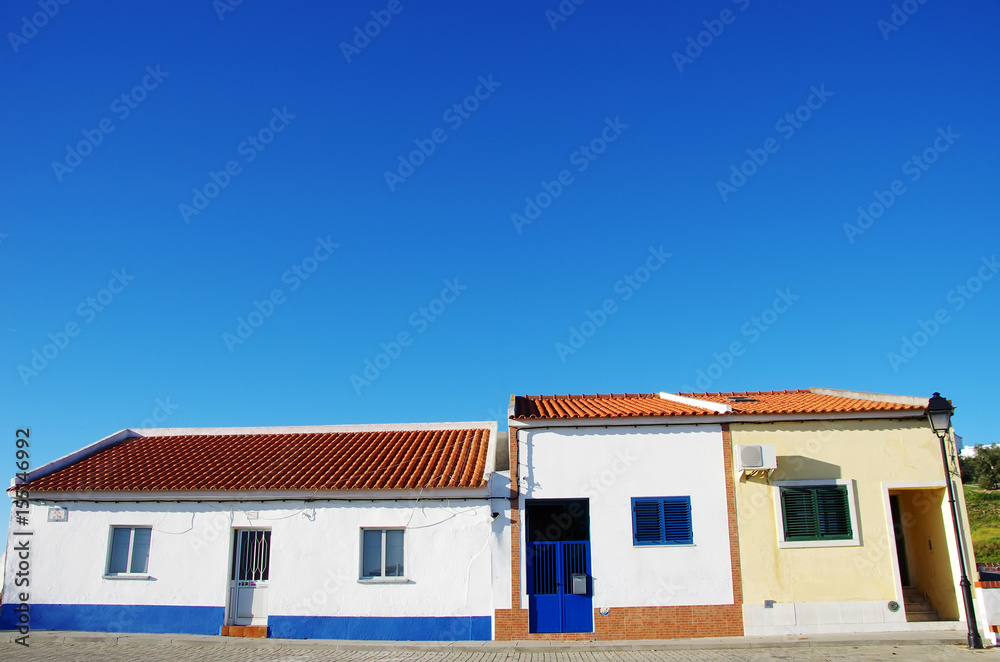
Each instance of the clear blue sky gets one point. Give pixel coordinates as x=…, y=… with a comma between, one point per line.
x=658, y=133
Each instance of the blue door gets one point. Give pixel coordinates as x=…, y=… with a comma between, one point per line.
x=552, y=604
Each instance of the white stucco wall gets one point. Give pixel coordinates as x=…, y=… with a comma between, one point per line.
x=500, y=499
x=610, y=466
x=315, y=556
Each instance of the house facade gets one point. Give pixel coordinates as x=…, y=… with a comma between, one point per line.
x=347, y=532
x=622, y=523
x=888, y=561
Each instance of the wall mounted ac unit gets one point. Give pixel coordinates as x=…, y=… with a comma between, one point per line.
x=755, y=457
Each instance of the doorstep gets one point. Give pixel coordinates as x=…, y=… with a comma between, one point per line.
x=252, y=631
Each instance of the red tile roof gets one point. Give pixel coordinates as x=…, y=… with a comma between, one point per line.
x=377, y=459
x=531, y=407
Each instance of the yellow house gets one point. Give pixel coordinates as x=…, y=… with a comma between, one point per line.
x=850, y=531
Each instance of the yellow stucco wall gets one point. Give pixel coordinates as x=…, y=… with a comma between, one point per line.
x=869, y=452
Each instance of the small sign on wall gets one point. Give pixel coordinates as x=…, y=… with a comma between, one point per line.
x=57, y=514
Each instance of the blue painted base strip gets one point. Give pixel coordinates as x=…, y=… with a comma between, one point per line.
x=398, y=628
x=155, y=619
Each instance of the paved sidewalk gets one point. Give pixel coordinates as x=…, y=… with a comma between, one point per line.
x=51, y=646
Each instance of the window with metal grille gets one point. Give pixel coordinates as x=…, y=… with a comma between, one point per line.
x=662, y=521
x=816, y=513
x=381, y=553
x=129, y=550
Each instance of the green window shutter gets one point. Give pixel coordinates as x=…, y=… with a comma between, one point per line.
x=816, y=513
x=834, y=513
x=798, y=514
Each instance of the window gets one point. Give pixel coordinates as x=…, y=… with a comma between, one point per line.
x=129, y=553
x=381, y=553
x=820, y=512
x=816, y=513
x=662, y=521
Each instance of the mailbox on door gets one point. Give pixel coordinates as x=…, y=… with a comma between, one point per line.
x=579, y=584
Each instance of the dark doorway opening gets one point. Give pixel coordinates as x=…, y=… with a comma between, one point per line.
x=558, y=520
x=897, y=528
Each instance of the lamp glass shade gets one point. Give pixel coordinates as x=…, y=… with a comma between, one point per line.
x=940, y=421
x=939, y=412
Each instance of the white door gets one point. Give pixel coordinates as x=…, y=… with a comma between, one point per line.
x=249, y=577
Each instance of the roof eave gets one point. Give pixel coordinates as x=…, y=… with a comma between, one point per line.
x=709, y=419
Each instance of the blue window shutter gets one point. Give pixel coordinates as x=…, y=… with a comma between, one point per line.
x=677, y=520
x=647, y=522
x=662, y=521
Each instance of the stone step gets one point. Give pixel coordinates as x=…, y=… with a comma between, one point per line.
x=922, y=616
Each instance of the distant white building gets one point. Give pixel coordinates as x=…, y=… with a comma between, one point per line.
x=347, y=532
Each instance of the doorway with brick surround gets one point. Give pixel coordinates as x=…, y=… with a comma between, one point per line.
x=558, y=565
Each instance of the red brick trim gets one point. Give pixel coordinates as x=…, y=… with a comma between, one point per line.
x=734, y=542
x=629, y=622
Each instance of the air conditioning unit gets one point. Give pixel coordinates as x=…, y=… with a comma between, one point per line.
x=755, y=457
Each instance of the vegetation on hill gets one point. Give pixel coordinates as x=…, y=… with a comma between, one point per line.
x=984, y=522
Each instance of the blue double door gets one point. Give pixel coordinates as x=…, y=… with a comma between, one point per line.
x=560, y=595
x=559, y=574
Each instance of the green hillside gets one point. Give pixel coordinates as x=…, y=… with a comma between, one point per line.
x=984, y=521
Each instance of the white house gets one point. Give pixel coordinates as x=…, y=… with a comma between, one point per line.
x=348, y=532
x=623, y=523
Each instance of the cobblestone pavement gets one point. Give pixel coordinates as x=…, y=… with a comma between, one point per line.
x=74, y=652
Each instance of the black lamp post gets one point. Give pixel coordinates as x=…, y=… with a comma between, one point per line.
x=939, y=412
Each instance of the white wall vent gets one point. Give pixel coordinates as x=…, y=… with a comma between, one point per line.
x=755, y=457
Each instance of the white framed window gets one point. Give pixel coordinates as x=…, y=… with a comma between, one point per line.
x=382, y=555
x=128, y=551
x=816, y=513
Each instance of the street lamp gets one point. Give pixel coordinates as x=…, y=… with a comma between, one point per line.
x=939, y=412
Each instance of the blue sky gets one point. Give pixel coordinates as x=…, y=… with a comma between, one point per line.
x=129, y=251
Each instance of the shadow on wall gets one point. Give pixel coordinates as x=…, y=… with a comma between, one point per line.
x=802, y=467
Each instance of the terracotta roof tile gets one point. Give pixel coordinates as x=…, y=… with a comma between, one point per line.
x=599, y=406
x=314, y=461
x=804, y=401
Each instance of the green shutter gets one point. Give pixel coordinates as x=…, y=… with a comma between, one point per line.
x=834, y=513
x=798, y=514
x=816, y=513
